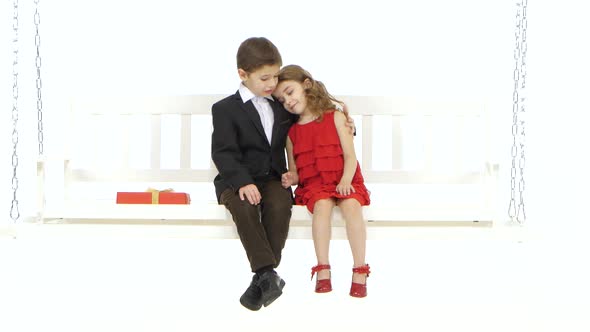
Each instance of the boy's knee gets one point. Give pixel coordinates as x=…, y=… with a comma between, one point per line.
x=278, y=203
x=278, y=210
x=241, y=207
x=244, y=205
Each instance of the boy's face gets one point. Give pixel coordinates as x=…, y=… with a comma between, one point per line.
x=292, y=95
x=262, y=82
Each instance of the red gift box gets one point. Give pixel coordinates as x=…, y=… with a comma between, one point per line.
x=153, y=197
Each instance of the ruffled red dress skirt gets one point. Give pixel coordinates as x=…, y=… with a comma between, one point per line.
x=320, y=163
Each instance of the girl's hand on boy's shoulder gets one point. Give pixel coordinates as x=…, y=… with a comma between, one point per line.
x=350, y=125
x=348, y=121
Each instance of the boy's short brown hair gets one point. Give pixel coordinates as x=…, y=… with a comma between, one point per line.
x=257, y=52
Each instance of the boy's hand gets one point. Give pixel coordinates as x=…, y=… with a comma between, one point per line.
x=345, y=188
x=250, y=192
x=287, y=179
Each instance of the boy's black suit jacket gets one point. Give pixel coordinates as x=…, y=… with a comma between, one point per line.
x=239, y=148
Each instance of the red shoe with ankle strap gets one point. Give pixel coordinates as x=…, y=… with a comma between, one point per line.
x=323, y=285
x=360, y=290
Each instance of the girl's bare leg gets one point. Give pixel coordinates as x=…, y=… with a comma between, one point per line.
x=321, y=229
x=356, y=231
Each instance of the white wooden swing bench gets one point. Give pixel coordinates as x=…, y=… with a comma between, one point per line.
x=432, y=163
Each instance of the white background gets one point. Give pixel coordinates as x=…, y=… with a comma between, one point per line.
x=422, y=48
x=426, y=49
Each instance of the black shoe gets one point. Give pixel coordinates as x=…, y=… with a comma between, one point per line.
x=252, y=297
x=271, y=286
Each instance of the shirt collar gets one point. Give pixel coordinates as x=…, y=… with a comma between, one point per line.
x=246, y=94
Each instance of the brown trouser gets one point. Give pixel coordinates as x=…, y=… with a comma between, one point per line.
x=262, y=228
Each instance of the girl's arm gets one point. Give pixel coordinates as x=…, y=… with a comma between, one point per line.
x=290, y=178
x=350, y=162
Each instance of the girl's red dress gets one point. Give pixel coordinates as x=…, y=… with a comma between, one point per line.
x=320, y=163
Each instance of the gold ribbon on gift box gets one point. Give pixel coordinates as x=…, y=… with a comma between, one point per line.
x=156, y=194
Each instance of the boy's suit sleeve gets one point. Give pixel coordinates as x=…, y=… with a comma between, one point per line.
x=225, y=151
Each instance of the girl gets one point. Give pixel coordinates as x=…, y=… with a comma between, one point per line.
x=323, y=165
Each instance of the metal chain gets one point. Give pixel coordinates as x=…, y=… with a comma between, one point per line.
x=521, y=215
x=14, y=211
x=37, y=19
x=517, y=211
x=514, y=150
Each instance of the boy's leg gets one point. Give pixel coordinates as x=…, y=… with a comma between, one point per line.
x=276, y=215
x=253, y=236
x=266, y=286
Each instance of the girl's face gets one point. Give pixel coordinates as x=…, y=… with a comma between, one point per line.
x=292, y=95
x=261, y=82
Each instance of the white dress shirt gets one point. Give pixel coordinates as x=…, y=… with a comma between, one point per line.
x=265, y=112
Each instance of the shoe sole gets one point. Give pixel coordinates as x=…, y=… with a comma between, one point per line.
x=323, y=290
x=273, y=295
x=253, y=307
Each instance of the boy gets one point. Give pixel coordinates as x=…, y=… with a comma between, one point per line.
x=248, y=148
